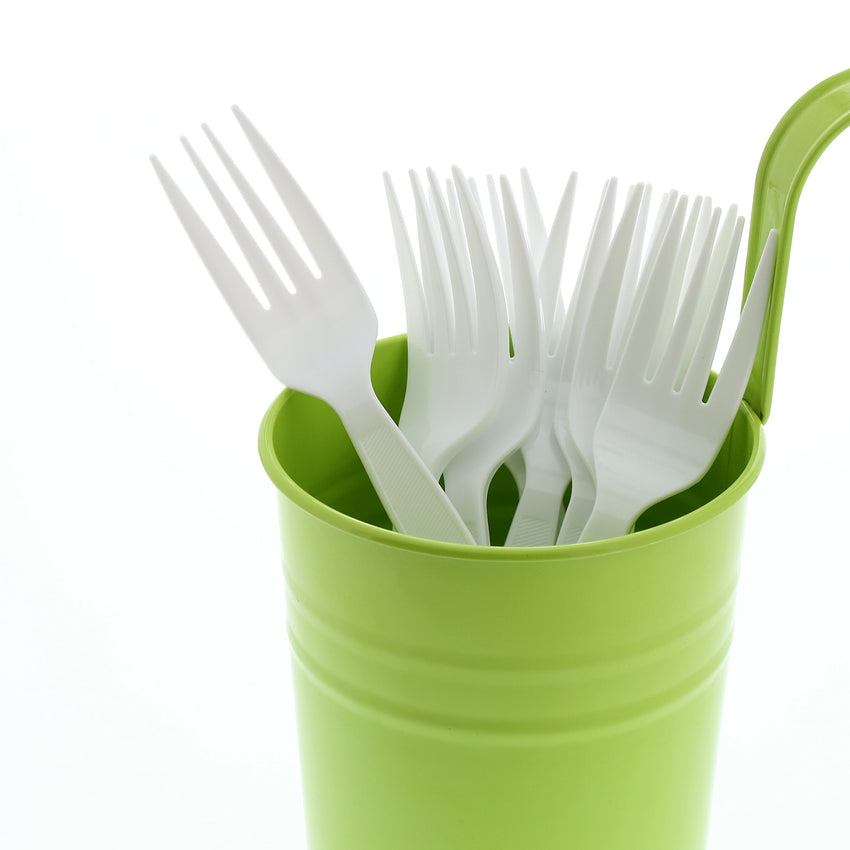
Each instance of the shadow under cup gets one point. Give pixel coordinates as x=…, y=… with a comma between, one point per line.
x=458, y=697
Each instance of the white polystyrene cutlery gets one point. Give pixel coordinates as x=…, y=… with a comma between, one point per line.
x=546, y=472
x=656, y=435
x=320, y=338
x=547, y=251
x=588, y=371
x=456, y=327
x=468, y=476
x=681, y=248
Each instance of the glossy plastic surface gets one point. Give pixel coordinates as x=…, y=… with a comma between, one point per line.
x=657, y=433
x=799, y=139
x=468, y=698
x=467, y=477
x=319, y=338
x=457, y=329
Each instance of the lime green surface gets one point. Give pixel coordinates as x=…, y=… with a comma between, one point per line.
x=792, y=150
x=464, y=698
x=556, y=698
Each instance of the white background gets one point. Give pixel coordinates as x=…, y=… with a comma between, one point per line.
x=145, y=694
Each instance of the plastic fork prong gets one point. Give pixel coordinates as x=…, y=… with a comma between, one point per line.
x=597, y=330
x=230, y=283
x=671, y=304
x=647, y=316
x=435, y=273
x=460, y=277
x=703, y=225
x=710, y=284
x=487, y=292
x=592, y=262
x=535, y=226
x=473, y=189
x=674, y=360
x=735, y=372
x=494, y=299
x=317, y=237
x=552, y=265
x=527, y=304
x=636, y=254
x=416, y=308
x=633, y=281
x=696, y=377
x=527, y=321
x=454, y=209
x=501, y=239
x=456, y=222
x=269, y=281
x=298, y=271
x=484, y=269
x=662, y=222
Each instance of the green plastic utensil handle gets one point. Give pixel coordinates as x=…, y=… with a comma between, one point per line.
x=792, y=150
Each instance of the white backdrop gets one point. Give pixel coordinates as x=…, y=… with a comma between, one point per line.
x=145, y=695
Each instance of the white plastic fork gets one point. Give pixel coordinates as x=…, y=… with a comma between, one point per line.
x=546, y=472
x=320, y=338
x=546, y=249
x=684, y=250
x=456, y=328
x=587, y=370
x=469, y=474
x=655, y=435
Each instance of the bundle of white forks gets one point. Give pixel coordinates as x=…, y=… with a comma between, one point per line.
x=604, y=389
x=599, y=390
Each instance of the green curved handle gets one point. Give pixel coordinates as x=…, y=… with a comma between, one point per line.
x=794, y=147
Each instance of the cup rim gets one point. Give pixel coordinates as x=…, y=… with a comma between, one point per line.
x=647, y=537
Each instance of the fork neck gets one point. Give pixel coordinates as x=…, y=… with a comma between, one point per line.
x=609, y=518
x=356, y=402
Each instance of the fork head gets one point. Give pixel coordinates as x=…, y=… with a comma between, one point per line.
x=317, y=338
x=657, y=436
x=590, y=373
x=689, y=348
x=457, y=330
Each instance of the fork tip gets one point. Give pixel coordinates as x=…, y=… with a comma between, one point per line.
x=158, y=167
x=187, y=146
x=241, y=117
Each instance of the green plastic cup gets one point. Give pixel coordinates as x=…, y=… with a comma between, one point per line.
x=453, y=697
x=461, y=697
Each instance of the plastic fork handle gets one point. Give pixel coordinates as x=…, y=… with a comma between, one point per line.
x=794, y=147
x=467, y=483
x=606, y=521
x=412, y=498
x=538, y=513
x=579, y=508
x=547, y=474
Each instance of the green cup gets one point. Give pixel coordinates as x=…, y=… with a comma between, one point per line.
x=461, y=697
x=467, y=698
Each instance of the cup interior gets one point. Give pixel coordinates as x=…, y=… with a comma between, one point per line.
x=310, y=449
